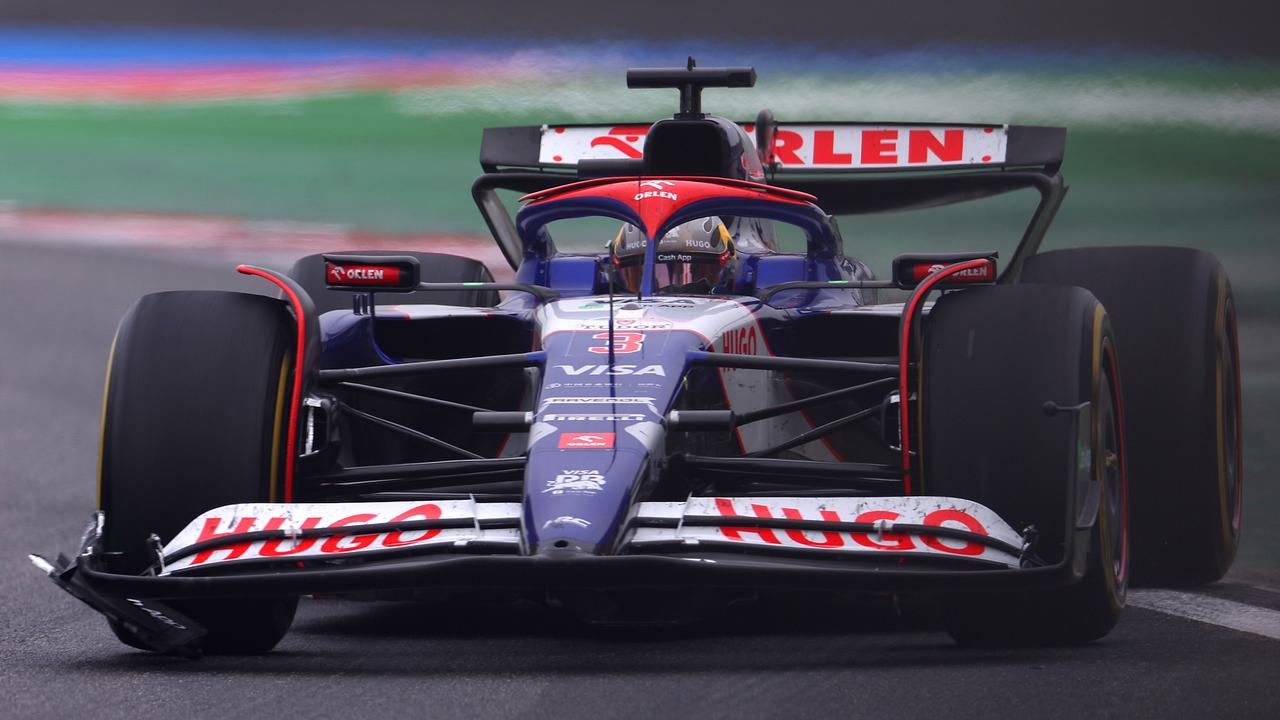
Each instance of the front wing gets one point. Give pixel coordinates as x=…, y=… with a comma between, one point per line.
x=862, y=544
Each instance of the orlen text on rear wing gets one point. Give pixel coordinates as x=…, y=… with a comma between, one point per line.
x=806, y=147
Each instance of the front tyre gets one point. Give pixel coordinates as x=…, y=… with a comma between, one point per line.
x=993, y=358
x=194, y=416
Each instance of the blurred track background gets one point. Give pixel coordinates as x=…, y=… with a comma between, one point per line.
x=149, y=146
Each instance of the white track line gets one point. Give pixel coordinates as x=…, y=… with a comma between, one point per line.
x=1206, y=609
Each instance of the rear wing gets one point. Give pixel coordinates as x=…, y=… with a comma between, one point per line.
x=850, y=167
x=803, y=147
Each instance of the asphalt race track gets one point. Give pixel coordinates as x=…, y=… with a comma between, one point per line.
x=345, y=659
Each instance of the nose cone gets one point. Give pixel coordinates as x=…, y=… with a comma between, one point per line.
x=597, y=429
x=577, y=497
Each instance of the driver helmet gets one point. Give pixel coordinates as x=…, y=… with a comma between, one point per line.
x=692, y=258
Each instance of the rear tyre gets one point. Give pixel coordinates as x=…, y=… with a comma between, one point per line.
x=193, y=418
x=993, y=357
x=435, y=267
x=1175, y=320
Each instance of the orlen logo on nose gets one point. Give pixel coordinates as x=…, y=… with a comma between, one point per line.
x=571, y=441
x=363, y=275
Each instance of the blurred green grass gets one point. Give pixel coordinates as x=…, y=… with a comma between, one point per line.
x=360, y=160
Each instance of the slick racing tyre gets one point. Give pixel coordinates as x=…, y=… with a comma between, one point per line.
x=193, y=418
x=435, y=267
x=993, y=358
x=1175, y=323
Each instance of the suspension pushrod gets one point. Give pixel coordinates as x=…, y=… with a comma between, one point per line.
x=487, y=491
x=766, y=362
x=784, y=471
x=409, y=432
x=425, y=366
x=433, y=469
x=364, y=487
x=816, y=433
x=401, y=395
x=784, y=408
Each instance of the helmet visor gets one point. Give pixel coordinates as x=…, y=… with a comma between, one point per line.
x=690, y=258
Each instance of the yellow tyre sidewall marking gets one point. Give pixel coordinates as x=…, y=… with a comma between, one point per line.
x=102, y=417
x=277, y=427
x=1099, y=464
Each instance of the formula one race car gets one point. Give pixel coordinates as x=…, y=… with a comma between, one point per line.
x=663, y=410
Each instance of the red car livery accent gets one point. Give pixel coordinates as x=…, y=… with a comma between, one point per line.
x=884, y=541
x=372, y=275
x=626, y=139
x=656, y=200
x=335, y=544
x=833, y=146
x=622, y=342
x=579, y=441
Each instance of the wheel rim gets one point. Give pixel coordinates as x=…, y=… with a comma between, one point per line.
x=1113, y=472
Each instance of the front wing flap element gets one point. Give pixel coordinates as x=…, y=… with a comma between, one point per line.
x=308, y=532
x=152, y=624
x=941, y=527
